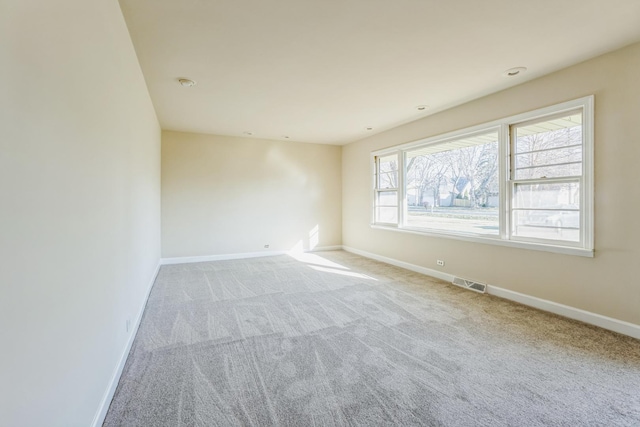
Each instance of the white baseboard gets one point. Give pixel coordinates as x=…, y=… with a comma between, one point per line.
x=242, y=255
x=222, y=257
x=407, y=266
x=98, y=419
x=604, y=322
x=615, y=325
x=326, y=248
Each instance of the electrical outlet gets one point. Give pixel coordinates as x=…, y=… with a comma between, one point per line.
x=440, y=263
x=128, y=325
x=266, y=246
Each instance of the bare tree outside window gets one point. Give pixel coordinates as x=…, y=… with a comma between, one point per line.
x=547, y=169
x=455, y=185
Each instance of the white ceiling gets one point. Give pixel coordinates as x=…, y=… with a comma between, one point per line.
x=324, y=70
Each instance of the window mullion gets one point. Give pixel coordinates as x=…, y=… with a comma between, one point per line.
x=374, y=192
x=560, y=179
x=402, y=198
x=504, y=214
x=586, y=182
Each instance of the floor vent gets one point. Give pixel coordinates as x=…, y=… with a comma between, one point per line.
x=468, y=284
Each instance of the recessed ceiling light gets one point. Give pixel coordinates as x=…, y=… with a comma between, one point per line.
x=511, y=72
x=369, y=128
x=186, y=82
x=422, y=107
x=248, y=133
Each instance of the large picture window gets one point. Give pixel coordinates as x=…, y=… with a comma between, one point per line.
x=454, y=185
x=522, y=181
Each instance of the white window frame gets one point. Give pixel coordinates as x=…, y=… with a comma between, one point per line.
x=583, y=248
x=377, y=190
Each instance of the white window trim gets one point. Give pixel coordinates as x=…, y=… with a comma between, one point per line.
x=584, y=248
x=376, y=190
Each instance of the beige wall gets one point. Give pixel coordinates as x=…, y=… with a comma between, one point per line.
x=80, y=203
x=607, y=284
x=227, y=195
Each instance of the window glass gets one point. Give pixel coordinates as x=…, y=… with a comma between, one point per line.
x=454, y=186
x=386, y=191
x=549, y=149
x=387, y=215
x=547, y=211
x=547, y=175
x=388, y=198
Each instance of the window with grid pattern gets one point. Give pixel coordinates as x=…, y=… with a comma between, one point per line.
x=546, y=178
x=524, y=181
x=386, y=189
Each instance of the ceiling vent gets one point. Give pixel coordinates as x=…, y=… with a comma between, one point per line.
x=468, y=284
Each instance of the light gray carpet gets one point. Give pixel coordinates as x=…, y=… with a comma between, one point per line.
x=279, y=342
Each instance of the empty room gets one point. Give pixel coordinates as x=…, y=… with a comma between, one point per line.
x=319, y=213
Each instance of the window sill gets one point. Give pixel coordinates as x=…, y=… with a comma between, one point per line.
x=565, y=250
